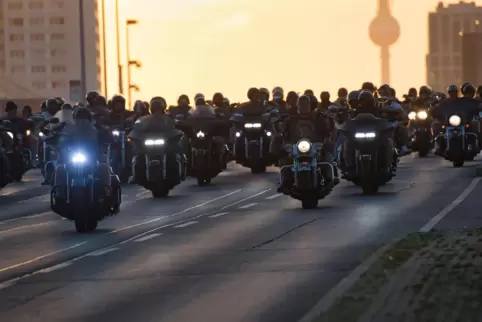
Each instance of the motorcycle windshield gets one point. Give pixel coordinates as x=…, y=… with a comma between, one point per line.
x=466, y=109
x=366, y=123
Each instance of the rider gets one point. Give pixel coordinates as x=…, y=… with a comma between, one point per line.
x=82, y=132
x=353, y=99
x=163, y=122
x=307, y=125
x=91, y=98
x=65, y=115
x=254, y=105
x=278, y=100
x=264, y=93
x=367, y=104
x=183, y=107
x=291, y=101
x=341, y=101
x=453, y=92
x=325, y=101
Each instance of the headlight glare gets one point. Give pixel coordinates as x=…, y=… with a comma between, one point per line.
x=455, y=120
x=304, y=146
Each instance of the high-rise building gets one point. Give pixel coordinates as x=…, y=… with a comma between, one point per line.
x=471, y=58
x=40, y=54
x=446, y=28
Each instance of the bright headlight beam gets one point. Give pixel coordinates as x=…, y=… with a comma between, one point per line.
x=422, y=115
x=304, y=146
x=412, y=115
x=78, y=158
x=455, y=120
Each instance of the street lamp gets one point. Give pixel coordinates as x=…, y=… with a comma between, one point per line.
x=130, y=62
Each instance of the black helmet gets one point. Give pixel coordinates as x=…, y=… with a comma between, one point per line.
x=91, y=96
x=66, y=106
x=52, y=103
x=366, y=99
x=468, y=88
x=368, y=86
x=60, y=100
x=309, y=92
x=325, y=95
x=425, y=90
x=252, y=92
x=10, y=106
x=184, y=97
x=218, y=97
x=158, y=104
x=342, y=92
x=412, y=91
x=101, y=101
x=82, y=113
x=353, y=96
x=118, y=99
x=452, y=89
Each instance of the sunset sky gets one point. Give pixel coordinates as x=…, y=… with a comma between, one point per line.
x=190, y=46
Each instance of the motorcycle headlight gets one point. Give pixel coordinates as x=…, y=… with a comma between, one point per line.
x=369, y=135
x=455, y=120
x=252, y=125
x=115, y=133
x=79, y=158
x=200, y=134
x=268, y=133
x=412, y=115
x=152, y=142
x=28, y=132
x=41, y=134
x=10, y=134
x=304, y=146
x=422, y=115
x=238, y=134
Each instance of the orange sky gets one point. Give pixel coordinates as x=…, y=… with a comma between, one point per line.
x=190, y=46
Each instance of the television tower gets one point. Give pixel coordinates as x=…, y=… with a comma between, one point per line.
x=384, y=31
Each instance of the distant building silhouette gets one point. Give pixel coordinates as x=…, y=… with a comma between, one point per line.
x=446, y=28
x=384, y=31
x=472, y=58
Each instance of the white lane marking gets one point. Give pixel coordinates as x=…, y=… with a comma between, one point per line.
x=174, y=214
x=143, y=193
x=343, y=286
x=248, y=205
x=42, y=198
x=41, y=257
x=27, y=226
x=54, y=268
x=186, y=224
x=15, y=280
x=437, y=218
x=104, y=251
x=274, y=196
x=25, y=217
x=219, y=215
x=147, y=237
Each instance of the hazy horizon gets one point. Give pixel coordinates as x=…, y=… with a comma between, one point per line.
x=231, y=45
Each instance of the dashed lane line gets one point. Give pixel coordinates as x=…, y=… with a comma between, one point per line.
x=274, y=196
x=186, y=224
x=54, y=268
x=219, y=215
x=104, y=251
x=248, y=205
x=151, y=236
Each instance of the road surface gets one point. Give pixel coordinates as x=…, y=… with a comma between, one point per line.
x=232, y=251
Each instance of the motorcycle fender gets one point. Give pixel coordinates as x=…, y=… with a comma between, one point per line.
x=304, y=180
x=154, y=171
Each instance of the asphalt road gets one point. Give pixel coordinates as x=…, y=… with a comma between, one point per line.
x=233, y=251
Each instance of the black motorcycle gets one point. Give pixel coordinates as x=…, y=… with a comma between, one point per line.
x=367, y=134
x=21, y=157
x=421, y=133
x=120, y=153
x=209, y=153
x=161, y=174
x=86, y=203
x=253, y=137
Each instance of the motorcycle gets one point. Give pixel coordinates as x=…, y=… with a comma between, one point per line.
x=366, y=134
x=118, y=153
x=460, y=142
x=154, y=147
x=253, y=137
x=86, y=203
x=421, y=134
x=4, y=168
x=309, y=186
x=20, y=158
x=207, y=158
x=48, y=149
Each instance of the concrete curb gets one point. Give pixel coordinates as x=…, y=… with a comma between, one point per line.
x=345, y=284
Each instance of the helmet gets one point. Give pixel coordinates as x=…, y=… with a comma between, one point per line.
x=277, y=89
x=52, y=103
x=353, y=96
x=158, y=103
x=366, y=99
x=342, y=92
x=10, y=106
x=66, y=106
x=82, y=113
x=60, y=100
x=425, y=90
x=184, y=97
x=218, y=97
x=467, y=88
x=368, y=86
x=117, y=99
x=452, y=89
x=264, y=91
x=101, y=101
x=252, y=92
x=324, y=95
x=199, y=95
x=309, y=92
x=91, y=96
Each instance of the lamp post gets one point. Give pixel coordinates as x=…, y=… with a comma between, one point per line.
x=83, y=73
x=130, y=62
x=104, y=47
x=119, y=65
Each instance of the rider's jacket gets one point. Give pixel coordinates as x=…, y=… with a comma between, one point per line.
x=310, y=126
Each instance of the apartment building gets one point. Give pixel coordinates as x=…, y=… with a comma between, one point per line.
x=40, y=48
x=446, y=28
x=472, y=58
